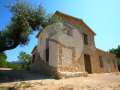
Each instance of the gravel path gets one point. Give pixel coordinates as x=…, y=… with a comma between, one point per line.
x=106, y=81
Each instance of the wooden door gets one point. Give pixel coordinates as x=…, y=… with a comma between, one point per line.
x=87, y=63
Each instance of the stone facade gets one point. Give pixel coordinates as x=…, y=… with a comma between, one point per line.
x=69, y=46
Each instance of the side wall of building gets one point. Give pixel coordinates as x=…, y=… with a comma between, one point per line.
x=108, y=60
x=40, y=66
x=65, y=57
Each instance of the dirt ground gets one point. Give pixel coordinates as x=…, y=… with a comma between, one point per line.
x=105, y=81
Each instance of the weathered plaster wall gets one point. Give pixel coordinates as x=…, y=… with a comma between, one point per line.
x=42, y=46
x=66, y=52
x=56, y=34
x=66, y=56
x=40, y=66
x=70, y=64
x=53, y=54
x=108, y=59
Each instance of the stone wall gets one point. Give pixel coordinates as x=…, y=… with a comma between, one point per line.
x=40, y=66
x=108, y=61
x=66, y=52
x=67, y=61
x=53, y=54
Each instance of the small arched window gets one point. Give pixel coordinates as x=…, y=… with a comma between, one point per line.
x=85, y=36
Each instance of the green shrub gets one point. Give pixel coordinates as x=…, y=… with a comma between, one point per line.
x=3, y=61
x=15, y=66
x=118, y=61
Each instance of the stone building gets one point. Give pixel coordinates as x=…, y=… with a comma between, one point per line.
x=69, y=46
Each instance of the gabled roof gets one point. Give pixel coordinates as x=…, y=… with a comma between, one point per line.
x=71, y=18
x=77, y=21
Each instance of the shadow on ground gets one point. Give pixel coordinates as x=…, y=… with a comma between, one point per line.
x=19, y=75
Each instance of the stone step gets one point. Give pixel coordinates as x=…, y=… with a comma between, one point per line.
x=72, y=74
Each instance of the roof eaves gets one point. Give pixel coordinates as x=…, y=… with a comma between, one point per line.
x=80, y=20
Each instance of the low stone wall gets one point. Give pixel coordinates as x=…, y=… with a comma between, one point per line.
x=43, y=68
x=70, y=68
x=57, y=72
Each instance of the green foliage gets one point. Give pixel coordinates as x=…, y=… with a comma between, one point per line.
x=118, y=61
x=54, y=19
x=25, y=19
x=24, y=62
x=15, y=65
x=33, y=16
x=77, y=26
x=116, y=51
x=3, y=61
x=3, y=56
x=25, y=59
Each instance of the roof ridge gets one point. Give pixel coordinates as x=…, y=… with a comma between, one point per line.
x=80, y=20
x=68, y=15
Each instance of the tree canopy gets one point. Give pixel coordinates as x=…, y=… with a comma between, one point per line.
x=25, y=19
x=116, y=51
x=24, y=57
x=3, y=61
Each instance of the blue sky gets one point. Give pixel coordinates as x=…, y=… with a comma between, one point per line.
x=102, y=16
